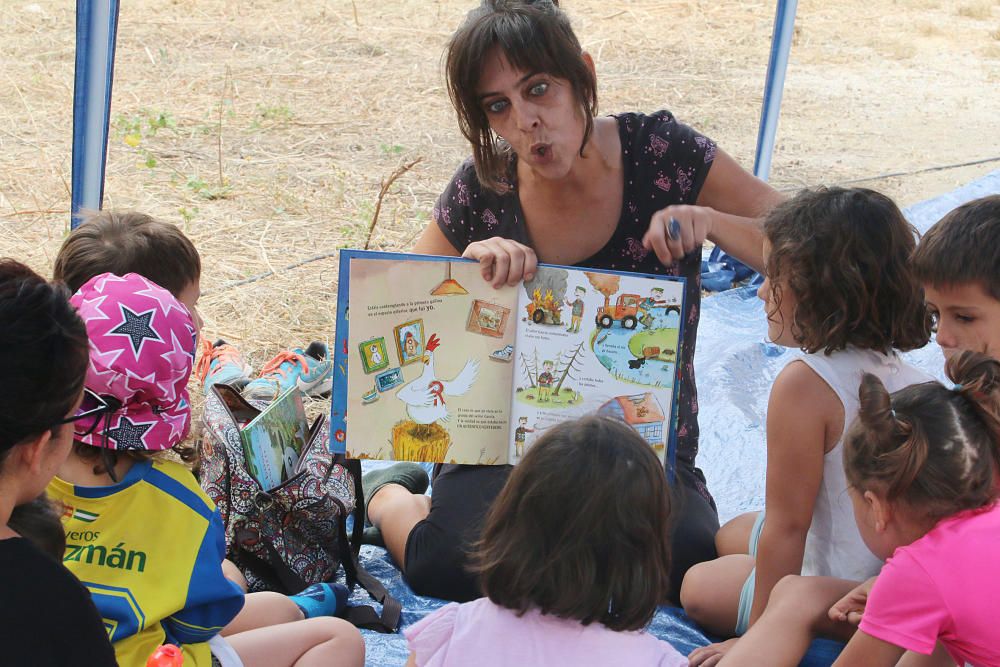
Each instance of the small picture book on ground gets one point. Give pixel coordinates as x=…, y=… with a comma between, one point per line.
x=273, y=441
x=434, y=364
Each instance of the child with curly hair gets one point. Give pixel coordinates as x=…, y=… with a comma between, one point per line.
x=838, y=286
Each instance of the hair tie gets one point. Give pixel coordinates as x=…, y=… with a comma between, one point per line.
x=957, y=387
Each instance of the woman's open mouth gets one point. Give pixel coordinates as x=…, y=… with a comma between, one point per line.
x=541, y=152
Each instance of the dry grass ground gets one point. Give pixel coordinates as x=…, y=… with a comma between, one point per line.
x=265, y=129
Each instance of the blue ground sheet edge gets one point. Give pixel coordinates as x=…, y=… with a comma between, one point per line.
x=735, y=368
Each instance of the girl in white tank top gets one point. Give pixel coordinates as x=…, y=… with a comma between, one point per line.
x=839, y=288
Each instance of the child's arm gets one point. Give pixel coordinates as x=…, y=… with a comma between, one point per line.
x=865, y=651
x=800, y=413
x=851, y=607
x=212, y=600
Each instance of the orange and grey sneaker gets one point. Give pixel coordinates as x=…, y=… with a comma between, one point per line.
x=311, y=370
x=222, y=363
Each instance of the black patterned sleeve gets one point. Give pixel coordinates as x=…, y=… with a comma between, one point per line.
x=677, y=158
x=467, y=212
x=453, y=212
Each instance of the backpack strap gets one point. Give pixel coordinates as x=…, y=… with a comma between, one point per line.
x=354, y=467
x=273, y=571
x=364, y=616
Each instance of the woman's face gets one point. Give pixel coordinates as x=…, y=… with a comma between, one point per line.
x=534, y=112
x=52, y=455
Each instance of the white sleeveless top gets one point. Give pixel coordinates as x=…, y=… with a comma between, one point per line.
x=834, y=547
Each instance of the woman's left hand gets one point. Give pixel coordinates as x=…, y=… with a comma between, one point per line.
x=677, y=231
x=710, y=655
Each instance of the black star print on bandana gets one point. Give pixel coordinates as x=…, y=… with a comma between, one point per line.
x=136, y=327
x=128, y=435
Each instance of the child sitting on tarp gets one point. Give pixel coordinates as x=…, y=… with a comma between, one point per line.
x=574, y=559
x=123, y=242
x=148, y=542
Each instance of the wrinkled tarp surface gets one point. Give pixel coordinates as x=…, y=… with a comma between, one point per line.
x=735, y=367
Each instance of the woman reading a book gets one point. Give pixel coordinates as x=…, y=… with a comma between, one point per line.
x=550, y=182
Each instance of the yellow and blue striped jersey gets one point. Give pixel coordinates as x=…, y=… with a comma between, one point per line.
x=150, y=550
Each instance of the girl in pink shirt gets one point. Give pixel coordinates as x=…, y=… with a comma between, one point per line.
x=922, y=467
x=574, y=559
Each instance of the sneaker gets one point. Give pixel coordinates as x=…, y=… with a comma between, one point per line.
x=311, y=370
x=222, y=363
x=505, y=353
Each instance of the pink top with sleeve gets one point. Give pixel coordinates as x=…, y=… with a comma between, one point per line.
x=486, y=635
x=944, y=586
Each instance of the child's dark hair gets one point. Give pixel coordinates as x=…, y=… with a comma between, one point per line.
x=534, y=36
x=40, y=523
x=933, y=448
x=122, y=242
x=104, y=460
x=962, y=247
x=43, y=355
x=581, y=529
x=844, y=256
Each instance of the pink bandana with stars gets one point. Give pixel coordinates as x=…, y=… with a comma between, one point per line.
x=142, y=345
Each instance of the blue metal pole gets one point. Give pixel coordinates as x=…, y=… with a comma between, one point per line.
x=96, y=31
x=774, y=85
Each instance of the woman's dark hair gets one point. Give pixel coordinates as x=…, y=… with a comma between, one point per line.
x=39, y=522
x=122, y=242
x=933, y=448
x=581, y=529
x=534, y=36
x=844, y=254
x=43, y=355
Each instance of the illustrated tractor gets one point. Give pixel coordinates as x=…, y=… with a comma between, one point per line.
x=624, y=311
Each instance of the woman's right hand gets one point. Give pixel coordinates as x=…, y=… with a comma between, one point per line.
x=502, y=261
x=850, y=607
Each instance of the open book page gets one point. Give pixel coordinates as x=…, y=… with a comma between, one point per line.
x=430, y=353
x=595, y=342
x=273, y=441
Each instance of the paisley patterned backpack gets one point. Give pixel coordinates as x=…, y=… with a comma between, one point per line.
x=294, y=535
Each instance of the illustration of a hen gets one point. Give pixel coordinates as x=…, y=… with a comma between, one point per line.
x=425, y=397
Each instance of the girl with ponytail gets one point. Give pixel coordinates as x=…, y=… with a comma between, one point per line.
x=922, y=467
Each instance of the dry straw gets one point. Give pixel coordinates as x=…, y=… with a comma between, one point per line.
x=266, y=130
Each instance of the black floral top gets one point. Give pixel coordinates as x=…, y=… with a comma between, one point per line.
x=665, y=163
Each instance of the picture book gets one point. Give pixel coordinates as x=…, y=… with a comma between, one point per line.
x=433, y=364
x=274, y=440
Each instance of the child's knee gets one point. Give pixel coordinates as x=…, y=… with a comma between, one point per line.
x=789, y=588
x=734, y=536
x=233, y=574
x=344, y=638
x=696, y=588
x=796, y=597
